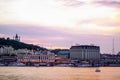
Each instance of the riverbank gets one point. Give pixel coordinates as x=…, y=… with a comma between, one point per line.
x=57, y=65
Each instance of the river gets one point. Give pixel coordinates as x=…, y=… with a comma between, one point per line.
x=59, y=73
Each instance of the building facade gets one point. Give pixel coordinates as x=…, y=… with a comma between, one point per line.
x=110, y=60
x=10, y=50
x=85, y=52
x=36, y=58
x=6, y=49
x=118, y=53
x=63, y=54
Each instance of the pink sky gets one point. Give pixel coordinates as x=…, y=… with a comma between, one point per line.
x=60, y=24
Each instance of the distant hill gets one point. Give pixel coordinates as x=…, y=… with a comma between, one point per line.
x=61, y=51
x=19, y=45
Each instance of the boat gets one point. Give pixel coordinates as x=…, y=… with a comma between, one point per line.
x=21, y=64
x=43, y=64
x=97, y=70
x=36, y=65
x=84, y=65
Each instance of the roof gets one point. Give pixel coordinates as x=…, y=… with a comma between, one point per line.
x=63, y=52
x=85, y=47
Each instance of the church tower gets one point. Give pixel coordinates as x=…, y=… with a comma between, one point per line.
x=16, y=37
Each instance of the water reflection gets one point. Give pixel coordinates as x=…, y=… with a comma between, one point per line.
x=58, y=73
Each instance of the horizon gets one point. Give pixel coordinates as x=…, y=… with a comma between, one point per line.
x=60, y=24
x=50, y=48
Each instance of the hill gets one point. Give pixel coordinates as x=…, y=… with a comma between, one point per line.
x=19, y=45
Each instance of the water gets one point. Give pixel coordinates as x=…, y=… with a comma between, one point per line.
x=58, y=73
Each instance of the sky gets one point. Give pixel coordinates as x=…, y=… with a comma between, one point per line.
x=62, y=23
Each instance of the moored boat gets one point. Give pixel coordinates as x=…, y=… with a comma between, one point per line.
x=97, y=70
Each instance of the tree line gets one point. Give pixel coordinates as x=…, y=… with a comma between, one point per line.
x=19, y=45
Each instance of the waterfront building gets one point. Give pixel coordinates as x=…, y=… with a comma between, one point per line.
x=110, y=60
x=62, y=61
x=118, y=53
x=64, y=53
x=85, y=53
x=36, y=58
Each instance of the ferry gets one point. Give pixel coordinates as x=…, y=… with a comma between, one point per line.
x=97, y=70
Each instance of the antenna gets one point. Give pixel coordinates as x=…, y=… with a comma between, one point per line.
x=113, y=49
x=77, y=44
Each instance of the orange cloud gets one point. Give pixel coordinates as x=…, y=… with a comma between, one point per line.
x=118, y=17
x=59, y=47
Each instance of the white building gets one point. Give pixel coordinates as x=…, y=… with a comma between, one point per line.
x=6, y=49
x=10, y=50
x=21, y=51
x=36, y=58
x=85, y=52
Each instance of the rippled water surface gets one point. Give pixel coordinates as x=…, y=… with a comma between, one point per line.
x=58, y=73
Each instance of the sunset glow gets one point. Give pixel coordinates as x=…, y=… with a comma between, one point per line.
x=61, y=22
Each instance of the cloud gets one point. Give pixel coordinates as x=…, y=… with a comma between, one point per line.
x=43, y=33
x=60, y=22
x=29, y=30
x=72, y=3
x=48, y=37
x=2, y=35
x=105, y=22
x=36, y=34
x=112, y=3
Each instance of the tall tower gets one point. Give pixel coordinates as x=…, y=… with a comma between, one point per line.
x=113, y=49
x=16, y=37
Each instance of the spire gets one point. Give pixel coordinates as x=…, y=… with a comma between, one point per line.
x=17, y=38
